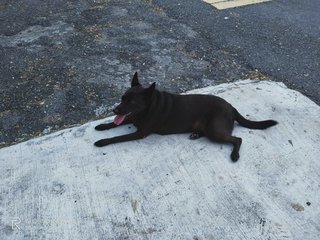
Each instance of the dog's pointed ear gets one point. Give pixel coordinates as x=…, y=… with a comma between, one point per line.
x=150, y=89
x=135, y=80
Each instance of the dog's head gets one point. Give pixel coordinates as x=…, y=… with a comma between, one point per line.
x=134, y=101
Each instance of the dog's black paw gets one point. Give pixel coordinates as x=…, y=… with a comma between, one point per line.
x=194, y=136
x=101, y=127
x=101, y=143
x=235, y=156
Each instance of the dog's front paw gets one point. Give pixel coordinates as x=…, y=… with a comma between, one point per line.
x=101, y=143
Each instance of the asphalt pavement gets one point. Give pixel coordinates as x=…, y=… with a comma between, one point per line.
x=68, y=62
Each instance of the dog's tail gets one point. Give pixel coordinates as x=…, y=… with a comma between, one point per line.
x=253, y=124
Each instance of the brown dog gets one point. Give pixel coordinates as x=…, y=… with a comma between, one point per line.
x=152, y=111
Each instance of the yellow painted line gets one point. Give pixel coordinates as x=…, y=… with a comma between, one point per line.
x=224, y=4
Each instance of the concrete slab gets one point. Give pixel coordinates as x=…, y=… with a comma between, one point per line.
x=167, y=187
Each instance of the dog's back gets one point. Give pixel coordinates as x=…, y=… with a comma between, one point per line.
x=172, y=113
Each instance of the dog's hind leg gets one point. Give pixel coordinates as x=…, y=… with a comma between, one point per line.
x=235, y=141
x=220, y=131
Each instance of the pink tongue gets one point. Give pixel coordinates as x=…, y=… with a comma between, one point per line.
x=119, y=119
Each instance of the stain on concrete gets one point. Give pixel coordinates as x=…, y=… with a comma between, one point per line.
x=134, y=204
x=7, y=229
x=80, y=131
x=58, y=188
x=297, y=206
x=198, y=211
x=150, y=230
x=45, y=138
